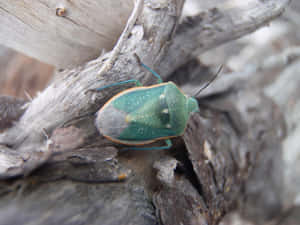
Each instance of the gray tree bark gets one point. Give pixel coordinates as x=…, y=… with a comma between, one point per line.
x=57, y=169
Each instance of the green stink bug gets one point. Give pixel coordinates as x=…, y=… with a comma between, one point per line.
x=142, y=115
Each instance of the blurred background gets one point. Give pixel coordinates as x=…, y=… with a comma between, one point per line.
x=22, y=76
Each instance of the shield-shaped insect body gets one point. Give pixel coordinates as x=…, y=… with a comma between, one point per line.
x=142, y=115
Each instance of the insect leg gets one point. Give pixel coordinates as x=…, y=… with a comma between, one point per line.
x=168, y=142
x=137, y=83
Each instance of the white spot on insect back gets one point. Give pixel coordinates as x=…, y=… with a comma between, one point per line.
x=141, y=131
x=168, y=125
x=166, y=111
x=162, y=96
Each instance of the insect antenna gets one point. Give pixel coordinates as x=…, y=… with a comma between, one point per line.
x=211, y=80
x=148, y=68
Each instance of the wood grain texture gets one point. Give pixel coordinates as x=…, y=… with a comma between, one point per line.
x=86, y=28
x=66, y=98
x=216, y=26
x=225, y=142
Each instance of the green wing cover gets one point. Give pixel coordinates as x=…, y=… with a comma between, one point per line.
x=153, y=112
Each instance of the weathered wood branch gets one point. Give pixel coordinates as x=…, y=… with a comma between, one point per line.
x=67, y=97
x=217, y=26
x=223, y=142
x=63, y=33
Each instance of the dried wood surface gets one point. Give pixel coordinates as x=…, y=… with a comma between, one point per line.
x=63, y=39
x=225, y=144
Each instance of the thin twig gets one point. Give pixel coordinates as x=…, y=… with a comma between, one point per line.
x=124, y=36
